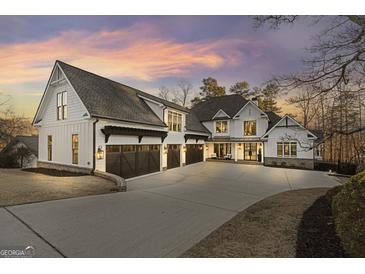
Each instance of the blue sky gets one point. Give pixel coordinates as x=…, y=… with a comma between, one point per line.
x=145, y=51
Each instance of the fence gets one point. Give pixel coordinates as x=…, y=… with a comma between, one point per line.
x=341, y=168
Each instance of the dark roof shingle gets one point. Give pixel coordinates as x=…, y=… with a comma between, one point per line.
x=230, y=104
x=273, y=119
x=193, y=123
x=109, y=99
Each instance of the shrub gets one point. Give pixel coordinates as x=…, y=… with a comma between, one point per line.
x=348, y=207
x=7, y=161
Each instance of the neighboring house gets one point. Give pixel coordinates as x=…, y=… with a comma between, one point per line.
x=24, y=149
x=88, y=122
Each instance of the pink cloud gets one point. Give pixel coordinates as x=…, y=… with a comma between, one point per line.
x=138, y=52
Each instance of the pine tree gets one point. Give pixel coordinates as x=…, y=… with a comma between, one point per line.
x=268, y=97
x=211, y=88
x=241, y=88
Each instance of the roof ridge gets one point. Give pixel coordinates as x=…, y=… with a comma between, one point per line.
x=137, y=90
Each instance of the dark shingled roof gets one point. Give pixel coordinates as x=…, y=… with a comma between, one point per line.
x=319, y=133
x=109, y=99
x=193, y=123
x=273, y=117
x=230, y=104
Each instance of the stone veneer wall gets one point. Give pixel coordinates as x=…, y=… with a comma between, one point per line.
x=289, y=162
x=69, y=168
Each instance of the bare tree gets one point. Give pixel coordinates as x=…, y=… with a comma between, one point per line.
x=164, y=93
x=306, y=106
x=183, y=92
x=337, y=54
x=10, y=123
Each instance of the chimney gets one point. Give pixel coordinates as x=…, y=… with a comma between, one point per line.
x=254, y=100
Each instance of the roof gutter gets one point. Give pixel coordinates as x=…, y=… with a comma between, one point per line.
x=94, y=144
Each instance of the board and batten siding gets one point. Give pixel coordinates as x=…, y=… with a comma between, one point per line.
x=284, y=134
x=249, y=113
x=61, y=130
x=75, y=108
x=62, y=142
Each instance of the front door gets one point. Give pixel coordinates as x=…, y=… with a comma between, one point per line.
x=173, y=156
x=250, y=151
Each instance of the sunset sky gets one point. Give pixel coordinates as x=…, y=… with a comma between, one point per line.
x=145, y=52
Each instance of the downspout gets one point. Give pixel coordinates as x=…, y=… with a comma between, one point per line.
x=94, y=144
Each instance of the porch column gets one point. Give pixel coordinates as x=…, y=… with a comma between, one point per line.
x=235, y=152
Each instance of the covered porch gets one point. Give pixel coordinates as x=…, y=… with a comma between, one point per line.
x=243, y=152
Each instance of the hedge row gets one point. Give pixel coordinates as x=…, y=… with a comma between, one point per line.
x=348, y=207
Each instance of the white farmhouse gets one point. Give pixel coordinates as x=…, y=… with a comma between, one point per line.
x=87, y=122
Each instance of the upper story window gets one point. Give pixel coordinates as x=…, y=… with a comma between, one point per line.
x=286, y=149
x=62, y=105
x=221, y=126
x=174, y=121
x=249, y=128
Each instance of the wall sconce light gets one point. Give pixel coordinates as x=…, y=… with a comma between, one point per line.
x=206, y=147
x=239, y=146
x=100, y=153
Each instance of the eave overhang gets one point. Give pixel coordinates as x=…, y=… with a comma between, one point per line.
x=196, y=137
x=115, y=130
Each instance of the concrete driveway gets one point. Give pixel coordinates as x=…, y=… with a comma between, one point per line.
x=160, y=216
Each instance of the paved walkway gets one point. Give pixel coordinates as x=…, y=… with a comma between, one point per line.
x=160, y=216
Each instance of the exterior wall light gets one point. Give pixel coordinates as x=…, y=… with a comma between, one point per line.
x=184, y=148
x=100, y=153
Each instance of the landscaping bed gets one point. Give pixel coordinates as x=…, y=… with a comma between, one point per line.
x=53, y=172
x=19, y=187
x=317, y=236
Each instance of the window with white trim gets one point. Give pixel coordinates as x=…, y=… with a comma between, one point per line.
x=174, y=121
x=62, y=105
x=286, y=149
x=249, y=128
x=221, y=126
x=75, y=149
x=49, y=147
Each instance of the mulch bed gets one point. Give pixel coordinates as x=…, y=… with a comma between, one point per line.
x=54, y=172
x=317, y=236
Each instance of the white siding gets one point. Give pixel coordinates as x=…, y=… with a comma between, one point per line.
x=249, y=113
x=156, y=108
x=210, y=125
x=75, y=108
x=289, y=134
x=62, y=142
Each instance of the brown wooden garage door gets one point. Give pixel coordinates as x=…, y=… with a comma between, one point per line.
x=132, y=160
x=194, y=154
x=173, y=156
